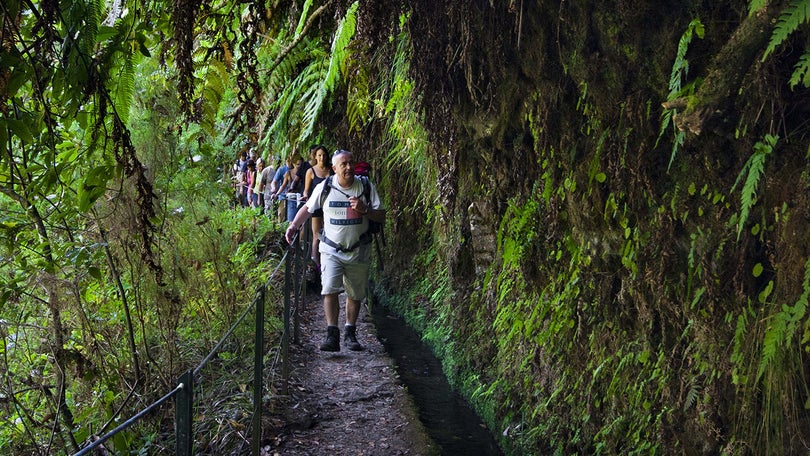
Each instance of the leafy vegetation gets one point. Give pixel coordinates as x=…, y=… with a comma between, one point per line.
x=795, y=15
x=587, y=294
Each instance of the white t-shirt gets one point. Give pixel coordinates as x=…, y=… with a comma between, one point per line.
x=341, y=223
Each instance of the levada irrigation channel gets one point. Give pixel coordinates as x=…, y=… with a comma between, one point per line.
x=448, y=419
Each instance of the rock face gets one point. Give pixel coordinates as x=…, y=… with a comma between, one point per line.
x=603, y=280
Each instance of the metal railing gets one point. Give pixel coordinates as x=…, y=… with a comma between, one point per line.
x=294, y=261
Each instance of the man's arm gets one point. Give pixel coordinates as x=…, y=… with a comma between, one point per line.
x=375, y=215
x=300, y=217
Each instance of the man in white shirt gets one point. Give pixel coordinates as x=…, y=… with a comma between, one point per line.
x=345, y=246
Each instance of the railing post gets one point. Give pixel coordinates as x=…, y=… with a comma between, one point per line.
x=285, y=339
x=258, y=373
x=184, y=403
x=297, y=279
x=300, y=290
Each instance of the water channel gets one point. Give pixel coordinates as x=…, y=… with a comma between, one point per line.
x=448, y=419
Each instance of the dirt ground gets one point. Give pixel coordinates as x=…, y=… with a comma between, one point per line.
x=344, y=403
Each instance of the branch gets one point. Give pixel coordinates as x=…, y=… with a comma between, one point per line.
x=726, y=71
x=300, y=36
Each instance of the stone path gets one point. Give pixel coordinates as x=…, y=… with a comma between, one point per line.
x=344, y=403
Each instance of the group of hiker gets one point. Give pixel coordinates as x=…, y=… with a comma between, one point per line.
x=263, y=183
x=345, y=210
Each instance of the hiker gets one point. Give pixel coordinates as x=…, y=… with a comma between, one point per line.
x=239, y=172
x=315, y=175
x=249, y=181
x=258, y=199
x=287, y=187
x=348, y=206
x=266, y=187
x=301, y=173
x=277, y=188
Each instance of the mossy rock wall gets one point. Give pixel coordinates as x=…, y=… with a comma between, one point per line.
x=588, y=284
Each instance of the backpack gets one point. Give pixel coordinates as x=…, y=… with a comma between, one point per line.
x=373, y=227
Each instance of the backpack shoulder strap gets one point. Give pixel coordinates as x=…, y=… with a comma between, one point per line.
x=366, y=188
x=327, y=185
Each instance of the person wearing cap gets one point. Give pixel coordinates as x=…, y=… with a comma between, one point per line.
x=346, y=257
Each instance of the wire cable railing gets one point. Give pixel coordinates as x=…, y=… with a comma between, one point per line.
x=294, y=263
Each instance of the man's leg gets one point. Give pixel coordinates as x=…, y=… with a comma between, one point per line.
x=331, y=308
x=356, y=281
x=352, y=311
x=350, y=329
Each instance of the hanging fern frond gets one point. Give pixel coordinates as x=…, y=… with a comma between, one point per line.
x=801, y=72
x=409, y=145
x=340, y=47
x=335, y=68
x=752, y=170
x=784, y=325
x=756, y=5
x=285, y=105
x=216, y=79
x=278, y=87
x=800, y=308
x=303, y=19
x=312, y=98
x=288, y=69
x=358, y=103
x=794, y=15
x=680, y=68
x=771, y=342
x=302, y=76
x=125, y=87
x=91, y=22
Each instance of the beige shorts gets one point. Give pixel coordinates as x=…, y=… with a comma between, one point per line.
x=345, y=271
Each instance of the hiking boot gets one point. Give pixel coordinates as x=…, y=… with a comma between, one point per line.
x=350, y=338
x=332, y=342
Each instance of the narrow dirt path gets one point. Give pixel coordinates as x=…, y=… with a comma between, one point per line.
x=344, y=403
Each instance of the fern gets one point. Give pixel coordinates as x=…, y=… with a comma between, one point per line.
x=409, y=143
x=792, y=18
x=358, y=103
x=335, y=68
x=313, y=97
x=756, y=5
x=801, y=72
x=125, y=87
x=752, y=170
x=681, y=65
x=794, y=15
x=738, y=374
x=692, y=394
x=680, y=68
x=800, y=308
x=300, y=98
x=340, y=45
x=773, y=339
x=784, y=325
x=216, y=79
x=303, y=19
